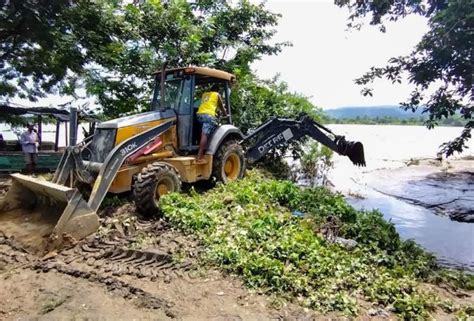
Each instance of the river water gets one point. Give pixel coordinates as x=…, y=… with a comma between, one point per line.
x=387, y=148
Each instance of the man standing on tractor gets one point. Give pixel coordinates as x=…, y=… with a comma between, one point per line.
x=206, y=115
x=29, y=144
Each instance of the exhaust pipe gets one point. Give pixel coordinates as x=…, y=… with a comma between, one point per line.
x=43, y=216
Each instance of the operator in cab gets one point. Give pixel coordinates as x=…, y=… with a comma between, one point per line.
x=207, y=116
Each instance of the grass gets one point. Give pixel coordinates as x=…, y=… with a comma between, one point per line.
x=249, y=230
x=114, y=201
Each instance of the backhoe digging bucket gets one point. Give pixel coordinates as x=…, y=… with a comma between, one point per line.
x=42, y=216
x=353, y=150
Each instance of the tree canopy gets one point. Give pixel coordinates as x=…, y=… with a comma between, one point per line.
x=109, y=48
x=441, y=65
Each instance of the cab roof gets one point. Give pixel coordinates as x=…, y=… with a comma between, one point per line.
x=203, y=71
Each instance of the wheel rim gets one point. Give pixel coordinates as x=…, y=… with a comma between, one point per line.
x=164, y=186
x=232, y=167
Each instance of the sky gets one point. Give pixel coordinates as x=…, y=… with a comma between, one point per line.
x=326, y=57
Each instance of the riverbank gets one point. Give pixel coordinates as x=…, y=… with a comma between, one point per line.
x=390, y=148
x=426, y=200
x=254, y=249
x=311, y=247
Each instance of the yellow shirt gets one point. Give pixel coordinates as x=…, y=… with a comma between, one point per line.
x=209, y=101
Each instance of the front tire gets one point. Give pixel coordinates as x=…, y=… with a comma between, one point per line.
x=154, y=181
x=229, y=162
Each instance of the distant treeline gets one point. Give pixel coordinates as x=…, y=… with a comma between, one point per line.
x=386, y=120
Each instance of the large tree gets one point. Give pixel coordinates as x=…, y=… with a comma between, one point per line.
x=45, y=45
x=206, y=33
x=441, y=65
x=109, y=48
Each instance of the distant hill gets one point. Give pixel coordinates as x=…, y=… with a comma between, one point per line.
x=371, y=112
x=384, y=115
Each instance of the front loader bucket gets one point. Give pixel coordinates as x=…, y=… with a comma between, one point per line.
x=42, y=216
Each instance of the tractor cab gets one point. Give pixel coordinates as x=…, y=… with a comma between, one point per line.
x=182, y=91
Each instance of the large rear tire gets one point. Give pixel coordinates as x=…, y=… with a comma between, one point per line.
x=229, y=162
x=154, y=181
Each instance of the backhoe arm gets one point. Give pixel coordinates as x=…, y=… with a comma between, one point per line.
x=279, y=132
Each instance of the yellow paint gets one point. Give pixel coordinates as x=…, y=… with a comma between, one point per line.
x=189, y=171
x=186, y=166
x=124, y=133
x=162, y=189
x=96, y=185
x=232, y=167
x=170, y=138
x=124, y=178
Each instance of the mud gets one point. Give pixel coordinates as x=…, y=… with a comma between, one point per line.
x=130, y=269
x=27, y=216
x=135, y=269
x=31, y=228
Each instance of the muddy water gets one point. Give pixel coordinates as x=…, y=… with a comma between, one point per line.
x=410, y=196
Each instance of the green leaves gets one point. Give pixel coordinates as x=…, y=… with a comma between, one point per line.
x=254, y=101
x=440, y=67
x=110, y=48
x=248, y=229
x=43, y=43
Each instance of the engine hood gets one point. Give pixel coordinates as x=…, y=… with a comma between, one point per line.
x=137, y=119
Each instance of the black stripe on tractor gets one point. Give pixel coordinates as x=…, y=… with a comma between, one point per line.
x=117, y=157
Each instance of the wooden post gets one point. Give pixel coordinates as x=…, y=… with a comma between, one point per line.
x=73, y=121
x=40, y=132
x=65, y=133
x=56, y=138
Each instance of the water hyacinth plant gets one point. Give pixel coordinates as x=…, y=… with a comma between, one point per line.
x=248, y=229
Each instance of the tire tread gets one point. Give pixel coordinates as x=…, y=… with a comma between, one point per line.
x=144, y=186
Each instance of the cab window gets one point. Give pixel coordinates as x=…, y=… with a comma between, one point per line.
x=177, y=93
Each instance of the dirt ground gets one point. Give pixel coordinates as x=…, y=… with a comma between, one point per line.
x=32, y=295
x=137, y=270
x=129, y=270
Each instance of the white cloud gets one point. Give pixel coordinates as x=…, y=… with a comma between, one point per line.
x=326, y=57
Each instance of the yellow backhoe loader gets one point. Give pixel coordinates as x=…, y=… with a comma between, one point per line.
x=149, y=154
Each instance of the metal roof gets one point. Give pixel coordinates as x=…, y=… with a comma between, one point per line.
x=60, y=114
x=204, y=71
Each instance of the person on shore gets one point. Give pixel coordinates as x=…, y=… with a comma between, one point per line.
x=29, y=144
x=206, y=115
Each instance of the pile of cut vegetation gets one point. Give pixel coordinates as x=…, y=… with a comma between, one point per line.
x=282, y=239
